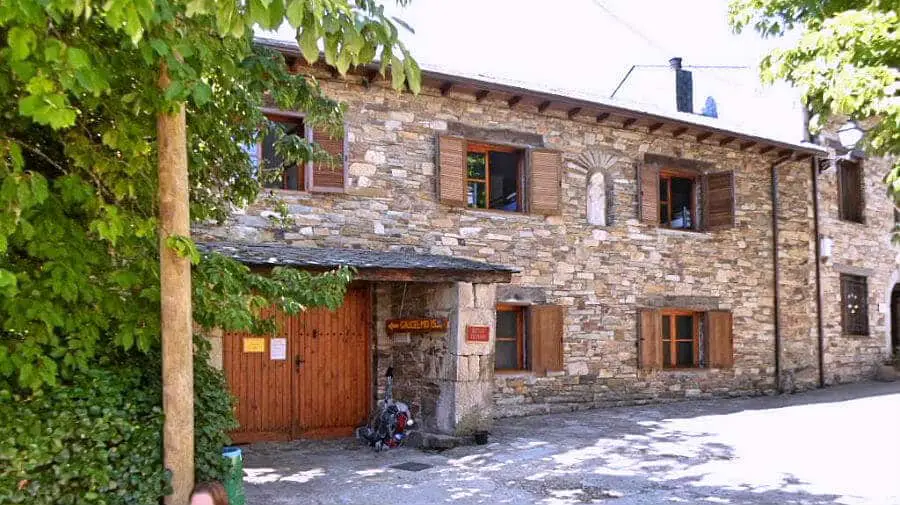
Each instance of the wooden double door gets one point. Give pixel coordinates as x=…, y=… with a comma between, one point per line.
x=310, y=379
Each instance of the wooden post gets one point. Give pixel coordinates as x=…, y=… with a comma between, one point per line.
x=175, y=291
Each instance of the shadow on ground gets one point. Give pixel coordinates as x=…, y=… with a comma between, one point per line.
x=834, y=446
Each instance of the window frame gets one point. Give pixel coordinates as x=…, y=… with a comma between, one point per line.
x=669, y=174
x=696, y=318
x=844, y=213
x=486, y=148
x=859, y=328
x=279, y=116
x=521, y=349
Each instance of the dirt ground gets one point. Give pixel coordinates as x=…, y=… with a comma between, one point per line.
x=839, y=445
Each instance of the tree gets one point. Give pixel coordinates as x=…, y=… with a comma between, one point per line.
x=93, y=96
x=846, y=63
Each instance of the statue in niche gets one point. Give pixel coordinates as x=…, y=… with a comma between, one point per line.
x=597, y=165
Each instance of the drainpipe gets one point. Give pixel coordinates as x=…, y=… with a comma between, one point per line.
x=820, y=324
x=776, y=270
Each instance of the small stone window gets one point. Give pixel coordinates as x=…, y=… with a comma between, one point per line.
x=529, y=338
x=494, y=177
x=854, y=305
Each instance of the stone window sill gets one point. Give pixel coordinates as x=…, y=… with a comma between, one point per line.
x=684, y=233
x=855, y=336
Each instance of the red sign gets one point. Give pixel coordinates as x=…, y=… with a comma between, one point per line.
x=416, y=325
x=478, y=333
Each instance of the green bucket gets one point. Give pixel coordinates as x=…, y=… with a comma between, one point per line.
x=234, y=479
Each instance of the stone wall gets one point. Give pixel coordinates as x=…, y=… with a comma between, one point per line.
x=602, y=274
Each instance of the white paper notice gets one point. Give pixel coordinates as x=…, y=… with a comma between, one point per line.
x=278, y=348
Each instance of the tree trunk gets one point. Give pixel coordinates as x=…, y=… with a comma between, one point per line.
x=175, y=291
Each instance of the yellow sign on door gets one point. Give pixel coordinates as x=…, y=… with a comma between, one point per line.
x=253, y=344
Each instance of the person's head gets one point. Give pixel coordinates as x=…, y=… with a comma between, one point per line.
x=209, y=493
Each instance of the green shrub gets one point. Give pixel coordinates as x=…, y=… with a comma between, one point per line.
x=98, y=438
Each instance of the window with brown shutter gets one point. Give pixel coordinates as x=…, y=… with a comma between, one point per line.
x=493, y=177
x=720, y=340
x=648, y=194
x=678, y=338
x=529, y=338
x=851, y=191
x=544, y=181
x=546, y=325
x=854, y=305
x=718, y=200
x=452, y=170
x=650, y=345
x=328, y=176
x=270, y=166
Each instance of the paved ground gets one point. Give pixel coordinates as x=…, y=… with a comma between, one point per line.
x=834, y=446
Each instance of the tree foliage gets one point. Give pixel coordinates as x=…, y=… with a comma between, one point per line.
x=79, y=98
x=846, y=63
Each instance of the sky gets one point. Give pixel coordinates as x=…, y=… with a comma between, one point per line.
x=589, y=45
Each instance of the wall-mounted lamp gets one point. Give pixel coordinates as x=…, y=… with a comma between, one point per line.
x=826, y=245
x=850, y=134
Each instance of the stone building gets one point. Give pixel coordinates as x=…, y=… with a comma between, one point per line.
x=583, y=253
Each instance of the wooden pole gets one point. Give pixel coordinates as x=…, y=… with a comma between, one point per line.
x=175, y=291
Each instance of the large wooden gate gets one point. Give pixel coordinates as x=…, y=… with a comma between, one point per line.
x=320, y=388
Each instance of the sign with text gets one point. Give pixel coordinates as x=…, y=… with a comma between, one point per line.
x=478, y=333
x=254, y=344
x=416, y=325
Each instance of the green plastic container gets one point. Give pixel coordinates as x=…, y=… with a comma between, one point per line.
x=234, y=480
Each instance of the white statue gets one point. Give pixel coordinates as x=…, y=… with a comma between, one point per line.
x=596, y=199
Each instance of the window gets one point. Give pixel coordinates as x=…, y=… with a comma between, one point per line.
x=493, y=177
x=854, y=305
x=312, y=176
x=676, y=201
x=676, y=338
x=851, y=190
x=670, y=198
x=529, y=338
x=488, y=176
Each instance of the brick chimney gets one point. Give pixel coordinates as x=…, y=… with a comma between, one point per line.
x=684, y=87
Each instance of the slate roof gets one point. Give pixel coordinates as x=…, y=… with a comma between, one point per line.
x=322, y=257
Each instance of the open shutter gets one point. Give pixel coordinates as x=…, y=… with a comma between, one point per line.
x=650, y=351
x=327, y=176
x=719, y=338
x=544, y=181
x=452, y=170
x=718, y=200
x=545, y=322
x=648, y=194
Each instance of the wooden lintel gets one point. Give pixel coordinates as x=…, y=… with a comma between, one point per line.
x=784, y=152
x=628, y=122
x=602, y=117
x=481, y=95
x=679, y=131
x=544, y=106
x=655, y=126
x=573, y=112
x=512, y=102
x=445, y=88
x=766, y=149
x=726, y=140
x=802, y=156
x=704, y=136
x=410, y=275
x=746, y=145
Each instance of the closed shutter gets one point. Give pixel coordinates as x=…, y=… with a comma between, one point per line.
x=718, y=200
x=850, y=187
x=452, y=170
x=328, y=176
x=544, y=181
x=545, y=323
x=650, y=350
x=648, y=194
x=719, y=339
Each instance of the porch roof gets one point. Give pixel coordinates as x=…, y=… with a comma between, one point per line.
x=398, y=265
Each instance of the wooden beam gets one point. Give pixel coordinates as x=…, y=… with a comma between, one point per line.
x=704, y=136
x=803, y=156
x=766, y=149
x=573, y=112
x=445, y=88
x=628, y=122
x=655, y=126
x=784, y=152
x=726, y=140
x=679, y=131
x=746, y=145
x=602, y=117
x=512, y=102
x=481, y=95
x=544, y=105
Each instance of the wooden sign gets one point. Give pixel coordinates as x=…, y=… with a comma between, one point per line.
x=478, y=333
x=253, y=344
x=416, y=325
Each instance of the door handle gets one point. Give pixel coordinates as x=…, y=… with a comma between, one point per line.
x=298, y=361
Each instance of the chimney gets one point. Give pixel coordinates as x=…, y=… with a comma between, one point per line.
x=684, y=87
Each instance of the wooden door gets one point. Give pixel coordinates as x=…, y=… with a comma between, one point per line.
x=333, y=383
x=322, y=386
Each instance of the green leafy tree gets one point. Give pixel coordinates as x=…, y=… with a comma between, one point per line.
x=79, y=97
x=846, y=63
